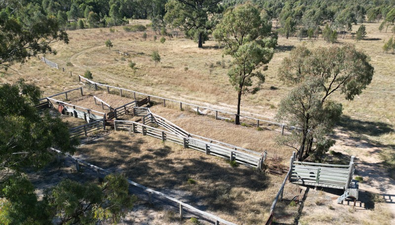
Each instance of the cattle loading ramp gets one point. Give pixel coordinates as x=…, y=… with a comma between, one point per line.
x=325, y=175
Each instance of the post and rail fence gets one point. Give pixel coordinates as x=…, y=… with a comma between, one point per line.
x=249, y=159
x=253, y=120
x=151, y=194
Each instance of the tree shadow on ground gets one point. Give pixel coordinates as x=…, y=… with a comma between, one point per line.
x=284, y=48
x=364, y=127
x=198, y=180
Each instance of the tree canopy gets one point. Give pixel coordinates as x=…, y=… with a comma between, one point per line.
x=25, y=135
x=247, y=37
x=196, y=17
x=25, y=32
x=318, y=74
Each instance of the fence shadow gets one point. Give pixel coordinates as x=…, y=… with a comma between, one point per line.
x=196, y=180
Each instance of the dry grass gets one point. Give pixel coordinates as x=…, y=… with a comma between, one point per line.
x=366, y=129
x=241, y=194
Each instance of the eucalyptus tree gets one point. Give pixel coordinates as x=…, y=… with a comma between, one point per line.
x=316, y=75
x=248, y=38
x=195, y=17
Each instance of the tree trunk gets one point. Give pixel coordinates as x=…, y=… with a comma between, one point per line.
x=200, y=45
x=237, y=121
x=308, y=148
x=304, y=139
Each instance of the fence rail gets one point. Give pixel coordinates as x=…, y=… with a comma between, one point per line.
x=182, y=207
x=85, y=129
x=255, y=120
x=322, y=175
x=103, y=103
x=66, y=93
x=280, y=193
x=245, y=158
x=49, y=63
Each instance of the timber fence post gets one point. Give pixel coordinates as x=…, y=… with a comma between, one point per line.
x=185, y=142
x=181, y=211
x=181, y=106
x=291, y=164
x=164, y=102
x=207, y=149
x=134, y=128
x=82, y=91
x=216, y=115
x=120, y=92
x=66, y=96
x=282, y=129
x=163, y=136
x=150, y=197
x=350, y=172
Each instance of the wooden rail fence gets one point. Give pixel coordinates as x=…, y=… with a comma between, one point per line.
x=255, y=120
x=80, y=89
x=151, y=194
x=246, y=158
x=85, y=129
x=49, y=63
x=279, y=195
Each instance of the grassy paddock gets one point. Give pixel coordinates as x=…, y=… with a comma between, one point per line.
x=200, y=75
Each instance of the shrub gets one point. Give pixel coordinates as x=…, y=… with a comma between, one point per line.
x=112, y=30
x=155, y=38
x=88, y=74
x=132, y=65
x=233, y=163
x=359, y=179
x=162, y=40
x=69, y=64
x=145, y=36
x=134, y=28
x=191, y=181
x=155, y=57
x=194, y=221
x=292, y=203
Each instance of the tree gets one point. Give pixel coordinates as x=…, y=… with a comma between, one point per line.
x=155, y=57
x=109, y=44
x=389, y=45
x=89, y=203
x=21, y=205
x=22, y=37
x=88, y=74
x=289, y=27
x=195, y=17
x=93, y=19
x=361, y=33
x=318, y=74
x=81, y=24
x=249, y=40
x=25, y=135
x=329, y=35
